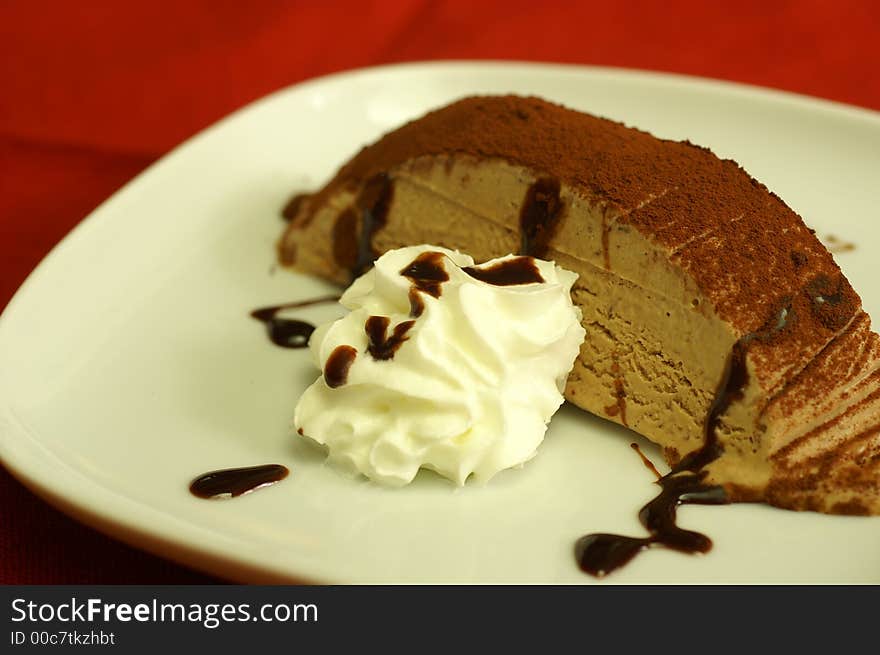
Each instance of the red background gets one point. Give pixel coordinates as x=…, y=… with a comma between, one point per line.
x=94, y=92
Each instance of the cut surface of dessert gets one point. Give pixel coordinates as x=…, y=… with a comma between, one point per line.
x=713, y=315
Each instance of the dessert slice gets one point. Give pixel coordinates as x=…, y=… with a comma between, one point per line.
x=716, y=323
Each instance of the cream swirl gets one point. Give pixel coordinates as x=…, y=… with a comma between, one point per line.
x=443, y=365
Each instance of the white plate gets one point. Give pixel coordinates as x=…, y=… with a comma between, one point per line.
x=128, y=362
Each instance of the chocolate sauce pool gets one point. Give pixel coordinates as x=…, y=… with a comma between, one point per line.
x=288, y=332
x=238, y=481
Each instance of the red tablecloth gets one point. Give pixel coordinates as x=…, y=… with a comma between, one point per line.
x=93, y=92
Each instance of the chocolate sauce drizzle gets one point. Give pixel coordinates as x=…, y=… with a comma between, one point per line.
x=353, y=249
x=382, y=347
x=238, y=481
x=600, y=554
x=647, y=462
x=519, y=270
x=338, y=364
x=288, y=332
x=427, y=274
x=539, y=217
x=374, y=202
x=291, y=209
x=416, y=304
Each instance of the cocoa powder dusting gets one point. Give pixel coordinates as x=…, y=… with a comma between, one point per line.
x=743, y=248
x=798, y=258
x=833, y=365
x=672, y=191
x=832, y=301
x=576, y=148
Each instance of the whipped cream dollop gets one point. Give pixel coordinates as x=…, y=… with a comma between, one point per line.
x=442, y=364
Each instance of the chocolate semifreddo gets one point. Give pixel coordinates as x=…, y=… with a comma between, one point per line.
x=718, y=326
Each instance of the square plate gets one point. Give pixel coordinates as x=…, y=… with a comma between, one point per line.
x=129, y=365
